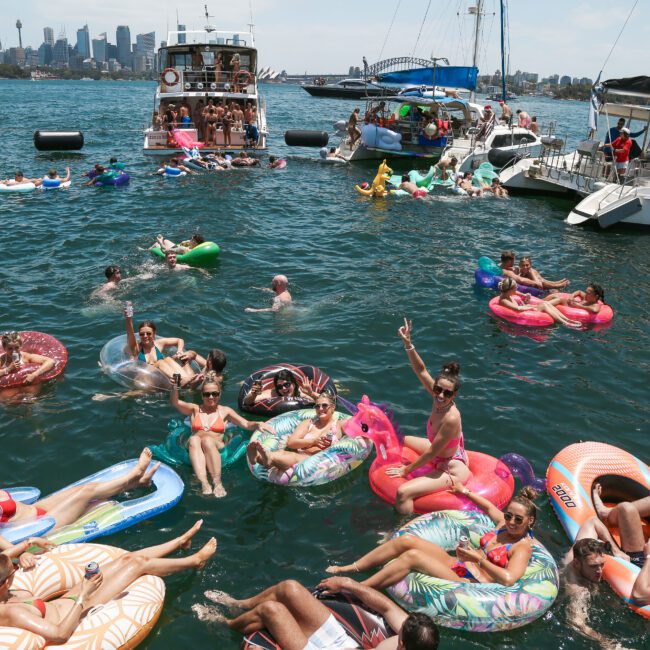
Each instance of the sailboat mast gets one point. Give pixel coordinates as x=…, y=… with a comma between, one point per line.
x=503, y=52
x=477, y=38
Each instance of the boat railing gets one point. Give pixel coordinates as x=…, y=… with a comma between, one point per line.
x=210, y=80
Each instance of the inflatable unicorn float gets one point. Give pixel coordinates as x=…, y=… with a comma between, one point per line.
x=492, y=478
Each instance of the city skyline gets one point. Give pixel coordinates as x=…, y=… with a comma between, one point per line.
x=575, y=45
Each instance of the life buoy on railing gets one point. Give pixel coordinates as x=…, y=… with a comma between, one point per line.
x=170, y=76
x=247, y=78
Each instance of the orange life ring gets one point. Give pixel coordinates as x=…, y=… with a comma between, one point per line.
x=175, y=76
x=248, y=78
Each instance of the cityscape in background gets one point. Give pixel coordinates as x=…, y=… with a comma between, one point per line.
x=139, y=56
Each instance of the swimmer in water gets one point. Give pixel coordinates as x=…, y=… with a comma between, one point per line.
x=282, y=296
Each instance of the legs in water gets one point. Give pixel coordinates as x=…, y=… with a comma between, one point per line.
x=404, y=554
x=205, y=457
x=282, y=460
x=287, y=610
x=68, y=505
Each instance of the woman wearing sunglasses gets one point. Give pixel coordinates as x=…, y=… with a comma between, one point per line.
x=12, y=359
x=285, y=385
x=308, y=438
x=208, y=423
x=442, y=457
x=503, y=555
x=149, y=349
x=57, y=619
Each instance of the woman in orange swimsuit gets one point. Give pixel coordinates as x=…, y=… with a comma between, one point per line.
x=502, y=558
x=57, y=619
x=442, y=456
x=208, y=421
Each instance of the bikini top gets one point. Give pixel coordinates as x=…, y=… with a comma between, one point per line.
x=499, y=554
x=35, y=602
x=7, y=509
x=199, y=423
x=317, y=434
x=518, y=300
x=142, y=356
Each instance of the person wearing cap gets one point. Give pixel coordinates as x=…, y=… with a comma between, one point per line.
x=506, y=112
x=169, y=117
x=621, y=150
x=614, y=133
x=282, y=296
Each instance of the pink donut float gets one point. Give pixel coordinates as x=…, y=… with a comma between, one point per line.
x=529, y=318
x=605, y=314
x=37, y=343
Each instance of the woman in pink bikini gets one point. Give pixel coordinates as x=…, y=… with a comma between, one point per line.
x=208, y=421
x=503, y=555
x=443, y=455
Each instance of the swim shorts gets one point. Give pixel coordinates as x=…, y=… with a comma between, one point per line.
x=330, y=636
x=637, y=558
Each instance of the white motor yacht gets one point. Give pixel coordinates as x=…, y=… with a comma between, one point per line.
x=207, y=68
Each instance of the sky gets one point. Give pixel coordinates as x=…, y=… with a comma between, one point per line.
x=571, y=37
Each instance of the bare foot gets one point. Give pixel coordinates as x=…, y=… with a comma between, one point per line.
x=251, y=453
x=219, y=491
x=264, y=455
x=138, y=472
x=573, y=324
x=145, y=480
x=601, y=509
x=206, y=489
x=186, y=538
x=205, y=553
x=209, y=614
x=222, y=598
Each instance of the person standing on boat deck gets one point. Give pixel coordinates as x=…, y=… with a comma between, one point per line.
x=506, y=112
x=169, y=117
x=226, y=123
x=197, y=118
x=523, y=119
x=218, y=67
x=613, y=134
x=237, y=115
x=533, y=125
x=353, y=129
x=621, y=149
x=282, y=297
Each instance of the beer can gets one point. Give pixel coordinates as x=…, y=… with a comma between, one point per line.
x=92, y=568
x=463, y=541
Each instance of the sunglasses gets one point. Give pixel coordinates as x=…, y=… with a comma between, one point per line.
x=211, y=394
x=4, y=582
x=518, y=518
x=146, y=333
x=322, y=406
x=282, y=385
x=439, y=390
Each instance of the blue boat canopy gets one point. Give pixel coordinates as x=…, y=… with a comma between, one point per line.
x=446, y=76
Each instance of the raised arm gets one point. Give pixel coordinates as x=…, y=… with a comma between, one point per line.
x=487, y=506
x=171, y=341
x=182, y=407
x=130, y=334
x=371, y=598
x=417, y=364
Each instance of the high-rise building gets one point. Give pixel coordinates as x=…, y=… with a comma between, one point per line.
x=181, y=37
x=45, y=54
x=145, y=43
x=48, y=35
x=83, y=42
x=123, y=39
x=99, y=48
x=60, y=52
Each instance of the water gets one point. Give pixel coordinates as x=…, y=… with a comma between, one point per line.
x=355, y=267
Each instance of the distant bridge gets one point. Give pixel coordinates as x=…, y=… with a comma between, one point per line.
x=397, y=63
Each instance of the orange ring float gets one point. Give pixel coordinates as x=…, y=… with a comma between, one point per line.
x=569, y=483
x=248, y=78
x=122, y=623
x=176, y=77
